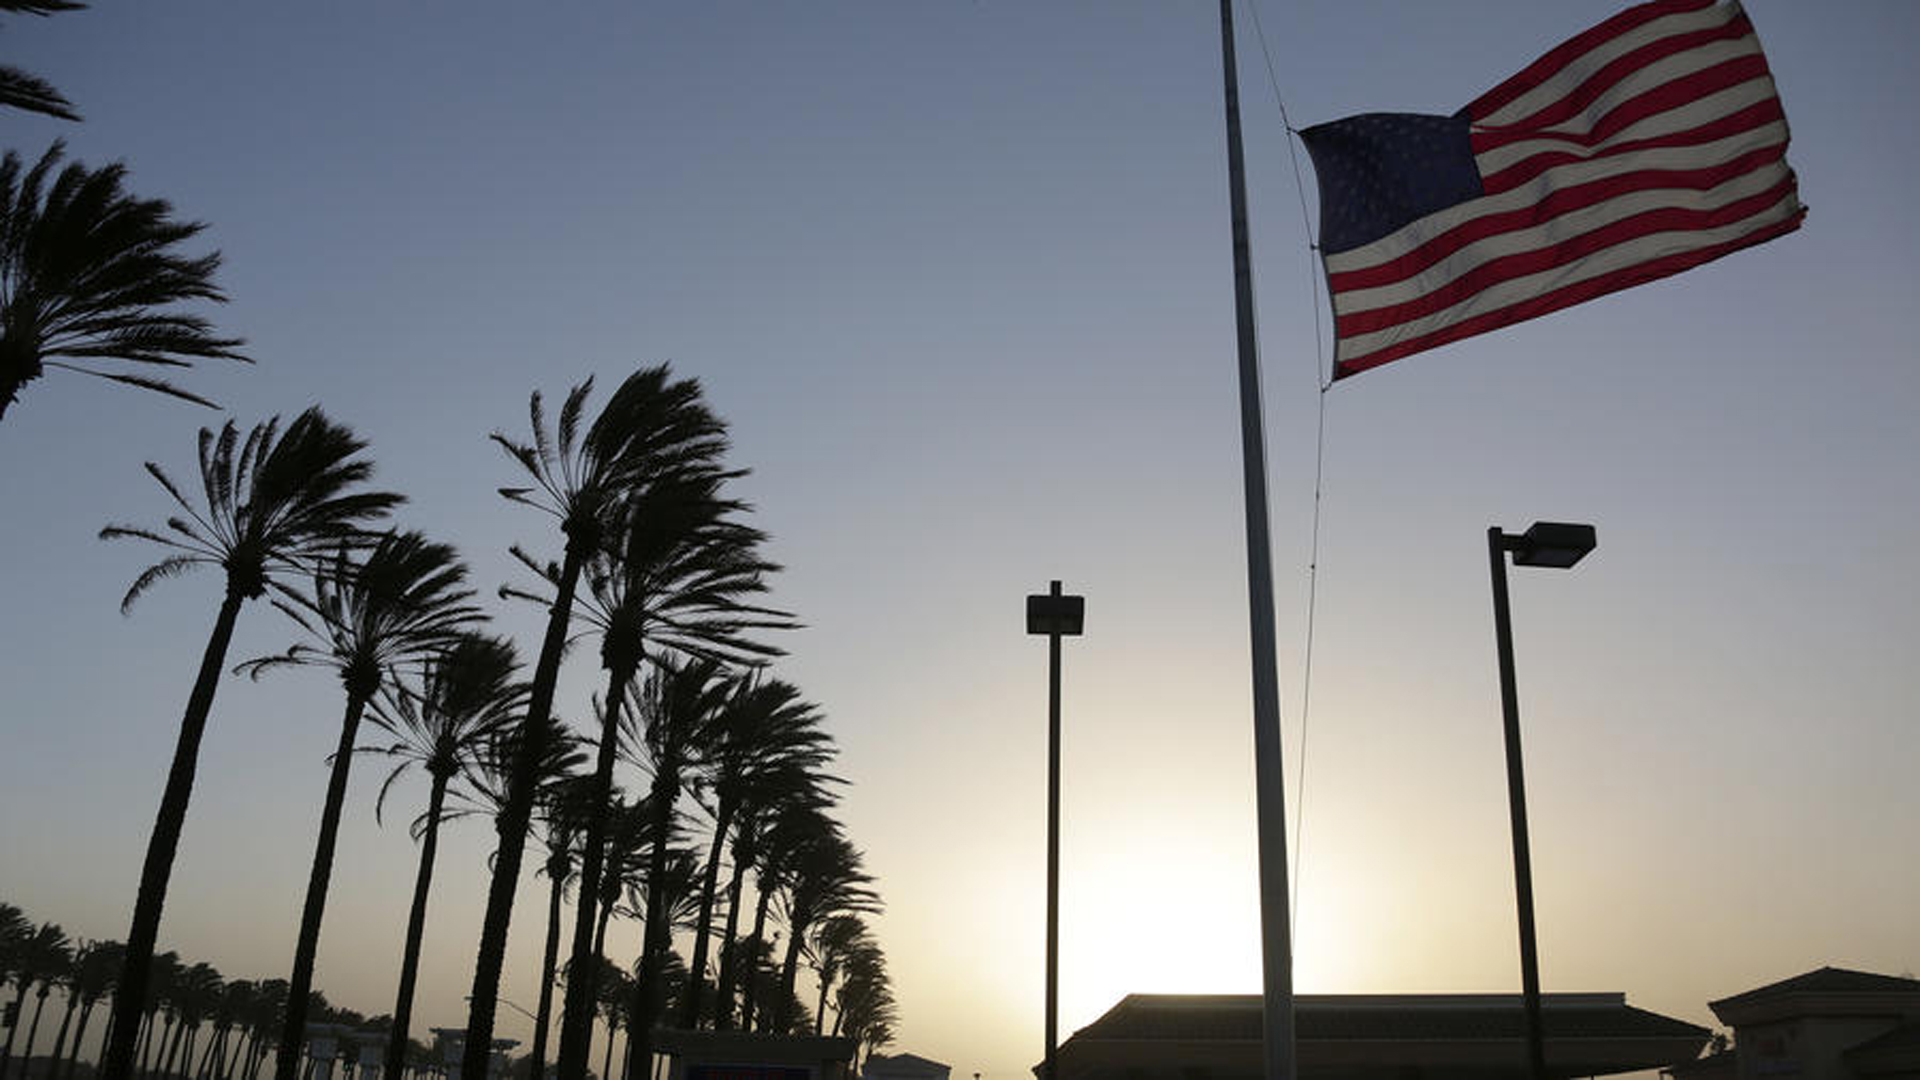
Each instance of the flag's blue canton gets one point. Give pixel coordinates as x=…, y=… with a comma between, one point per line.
x=1380, y=171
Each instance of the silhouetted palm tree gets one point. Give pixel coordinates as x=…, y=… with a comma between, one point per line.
x=826, y=879
x=396, y=606
x=30, y=92
x=765, y=734
x=835, y=940
x=678, y=706
x=467, y=696
x=652, y=427
x=775, y=806
x=273, y=501
x=680, y=580
x=87, y=274
x=41, y=959
x=95, y=969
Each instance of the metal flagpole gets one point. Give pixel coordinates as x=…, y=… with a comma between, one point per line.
x=1270, y=786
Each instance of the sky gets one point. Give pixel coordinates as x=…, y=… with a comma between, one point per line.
x=957, y=275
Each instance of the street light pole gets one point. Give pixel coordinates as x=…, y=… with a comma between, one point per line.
x=1544, y=544
x=1055, y=615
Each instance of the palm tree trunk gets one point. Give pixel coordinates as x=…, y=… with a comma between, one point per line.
x=130, y=997
x=653, y=941
x=820, y=1011
x=751, y=959
x=396, y=1055
x=6, y=1053
x=543, y=1012
x=606, y=1066
x=79, y=1034
x=697, y=968
x=60, y=1040
x=576, y=1015
x=789, y=968
x=729, y=949
x=515, y=817
x=33, y=1029
x=293, y=1029
x=170, y=1045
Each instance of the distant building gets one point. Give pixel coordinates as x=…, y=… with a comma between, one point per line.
x=903, y=1067
x=1830, y=1024
x=1374, y=1037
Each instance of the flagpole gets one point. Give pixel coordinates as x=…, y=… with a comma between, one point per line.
x=1269, y=782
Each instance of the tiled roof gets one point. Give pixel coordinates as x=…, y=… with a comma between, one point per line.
x=1352, y=1017
x=1829, y=980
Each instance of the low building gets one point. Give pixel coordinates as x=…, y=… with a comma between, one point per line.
x=1374, y=1037
x=903, y=1067
x=1830, y=1024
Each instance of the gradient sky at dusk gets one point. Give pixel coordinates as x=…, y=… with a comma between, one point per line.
x=957, y=275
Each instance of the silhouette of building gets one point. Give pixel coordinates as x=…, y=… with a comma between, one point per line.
x=1829, y=1024
x=1369, y=1036
x=903, y=1067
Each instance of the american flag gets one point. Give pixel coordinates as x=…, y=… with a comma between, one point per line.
x=1650, y=144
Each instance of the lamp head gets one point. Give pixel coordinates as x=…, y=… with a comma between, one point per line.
x=1555, y=544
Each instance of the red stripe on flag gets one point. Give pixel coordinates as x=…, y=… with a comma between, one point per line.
x=1566, y=53
x=1670, y=95
x=1759, y=114
x=1563, y=201
x=1570, y=250
x=1579, y=292
x=1617, y=70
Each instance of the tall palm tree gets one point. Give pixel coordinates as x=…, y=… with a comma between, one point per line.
x=274, y=501
x=467, y=696
x=826, y=879
x=680, y=581
x=95, y=970
x=652, y=426
x=89, y=274
x=396, y=606
x=771, y=802
x=15, y=930
x=766, y=732
x=679, y=703
x=166, y=970
x=41, y=960
x=836, y=939
x=195, y=996
x=30, y=92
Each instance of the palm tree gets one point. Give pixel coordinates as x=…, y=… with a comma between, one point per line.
x=274, y=501
x=88, y=273
x=765, y=734
x=679, y=581
x=95, y=969
x=826, y=879
x=678, y=705
x=195, y=996
x=41, y=959
x=467, y=696
x=771, y=801
x=29, y=92
x=396, y=606
x=836, y=939
x=15, y=930
x=652, y=427
x=159, y=998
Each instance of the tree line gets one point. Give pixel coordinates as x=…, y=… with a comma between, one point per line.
x=656, y=562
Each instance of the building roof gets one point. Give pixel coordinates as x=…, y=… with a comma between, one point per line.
x=1829, y=980
x=1147, y=1036
x=1827, y=991
x=906, y=1065
x=1383, y=1016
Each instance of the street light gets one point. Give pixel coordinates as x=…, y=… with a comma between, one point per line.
x=1557, y=545
x=1056, y=616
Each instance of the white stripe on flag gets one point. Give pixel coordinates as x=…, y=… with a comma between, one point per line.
x=1612, y=260
x=1570, y=78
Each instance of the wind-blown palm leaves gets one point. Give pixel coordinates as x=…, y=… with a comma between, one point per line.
x=678, y=581
x=89, y=274
x=679, y=703
x=825, y=878
x=94, y=970
x=39, y=958
x=652, y=427
x=394, y=607
x=20, y=90
x=467, y=696
x=273, y=502
x=766, y=742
